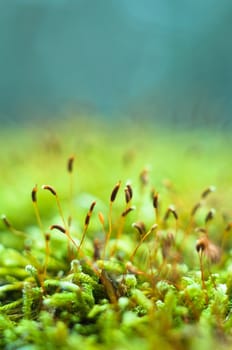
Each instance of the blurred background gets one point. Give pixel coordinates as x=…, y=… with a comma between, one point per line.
x=170, y=61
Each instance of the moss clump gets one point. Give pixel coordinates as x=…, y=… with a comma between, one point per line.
x=131, y=271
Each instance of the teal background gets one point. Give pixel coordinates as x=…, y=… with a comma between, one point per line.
x=169, y=60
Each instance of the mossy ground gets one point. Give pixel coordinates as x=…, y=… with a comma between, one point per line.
x=148, y=286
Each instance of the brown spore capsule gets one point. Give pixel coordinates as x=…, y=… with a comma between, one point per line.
x=58, y=227
x=201, y=244
x=92, y=207
x=6, y=221
x=34, y=194
x=49, y=188
x=195, y=208
x=130, y=191
x=127, y=195
x=174, y=213
x=127, y=211
x=114, y=192
x=155, y=200
x=88, y=216
x=70, y=164
x=210, y=215
x=208, y=190
x=140, y=227
x=87, y=219
x=47, y=237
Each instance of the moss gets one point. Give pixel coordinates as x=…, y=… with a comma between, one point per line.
x=90, y=272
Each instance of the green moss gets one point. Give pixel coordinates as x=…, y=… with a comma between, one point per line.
x=157, y=276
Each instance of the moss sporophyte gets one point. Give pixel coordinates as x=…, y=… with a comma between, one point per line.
x=122, y=281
